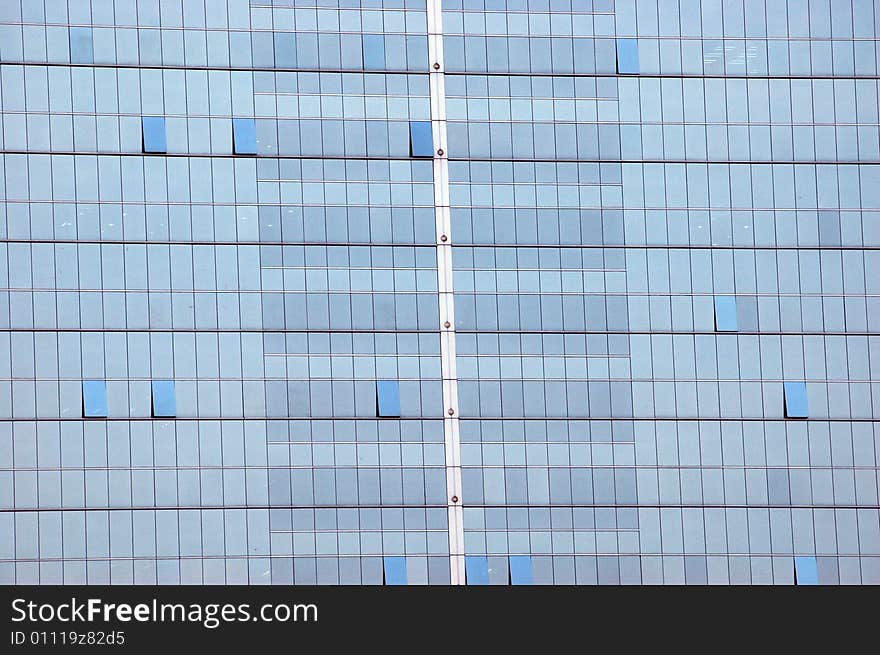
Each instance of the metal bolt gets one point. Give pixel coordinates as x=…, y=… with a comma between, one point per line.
x=447, y=324
x=450, y=411
x=436, y=66
x=455, y=499
x=440, y=152
x=443, y=238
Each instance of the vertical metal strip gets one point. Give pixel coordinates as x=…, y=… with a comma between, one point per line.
x=444, y=288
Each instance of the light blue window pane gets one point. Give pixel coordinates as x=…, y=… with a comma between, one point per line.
x=421, y=143
x=388, y=397
x=628, y=56
x=154, y=133
x=476, y=568
x=244, y=136
x=94, y=398
x=725, y=313
x=796, y=400
x=805, y=571
x=520, y=569
x=164, y=403
x=374, y=51
x=81, y=51
x=395, y=570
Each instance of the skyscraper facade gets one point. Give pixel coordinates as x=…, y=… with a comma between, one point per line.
x=439, y=291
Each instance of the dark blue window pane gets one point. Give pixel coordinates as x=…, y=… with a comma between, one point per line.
x=94, y=398
x=796, y=399
x=164, y=403
x=421, y=143
x=520, y=569
x=805, y=571
x=244, y=136
x=374, y=51
x=628, y=56
x=476, y=569
x=154, y=134
x=81, y=51
x=395, y=570
x=388, y=397
x=725, y=313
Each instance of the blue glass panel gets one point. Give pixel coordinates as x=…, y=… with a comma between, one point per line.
x=388, y=397
x=395, y=571
x=81, y=51
x=244, y=136
x=628, y=56
x=476, y=569
x=796, y=400
x=725, y=313
x=374, y=52
x=154, y=134
x=421, y=143
x=805, y=570
x=520, y=569
x=164, y=403
x=94, y=398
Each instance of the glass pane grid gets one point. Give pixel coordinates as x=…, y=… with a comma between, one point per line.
x=257, y=268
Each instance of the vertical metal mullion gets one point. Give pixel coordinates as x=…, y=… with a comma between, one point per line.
x=451, y=435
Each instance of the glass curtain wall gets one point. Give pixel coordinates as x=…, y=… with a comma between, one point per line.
x=230, y=229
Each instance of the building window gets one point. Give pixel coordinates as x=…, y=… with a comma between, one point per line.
x=628, y=56
x=520, y=569
x=154, y=133
x=81, y=50
x=725, y=313
x=388, y=398
x=164, y=403
x=421, y=143
x=796, y=399
x=94, y=394
x=805, y=571
x=244, y=136
x=374, y=52
x=395, y=570
x=476, y=569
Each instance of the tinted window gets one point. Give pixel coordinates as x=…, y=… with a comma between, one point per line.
x=94, y=398
x=420, y=140
x=154, y=134
x=725, y=313
x=796, y=400
x=805, y=571
x=374, y=51
x=244, y=136
x=388, y=397
x=627, y=56
x=476, y=569
x=164, y=403
x=395, y=570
